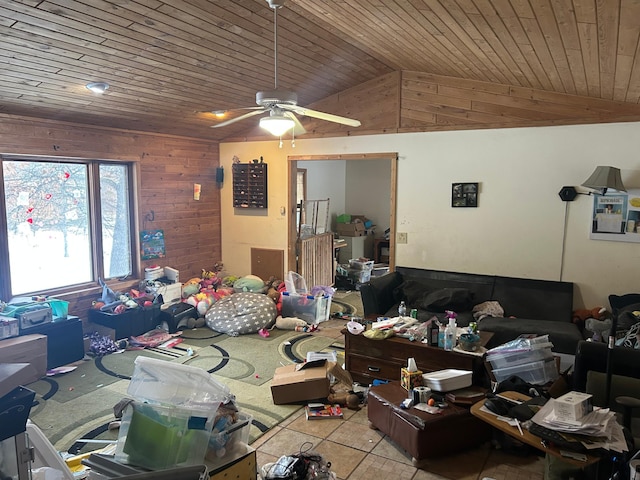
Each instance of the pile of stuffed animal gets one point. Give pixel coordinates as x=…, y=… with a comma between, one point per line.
x=596, y=321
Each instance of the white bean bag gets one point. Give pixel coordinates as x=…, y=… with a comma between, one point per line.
x=241, y=313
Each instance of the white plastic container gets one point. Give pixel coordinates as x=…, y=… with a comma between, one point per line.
x=537, y=373
x=447, y=380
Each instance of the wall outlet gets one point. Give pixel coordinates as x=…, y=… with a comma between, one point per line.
x=401, y=237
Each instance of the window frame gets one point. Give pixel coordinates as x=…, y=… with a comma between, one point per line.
x=95, y=216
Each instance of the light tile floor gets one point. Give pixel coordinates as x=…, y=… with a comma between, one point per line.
x=357, y=452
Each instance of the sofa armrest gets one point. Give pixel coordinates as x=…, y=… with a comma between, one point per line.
x=377, y=294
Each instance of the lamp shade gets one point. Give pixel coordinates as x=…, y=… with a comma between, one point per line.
x=604, y=178
x=277, y=124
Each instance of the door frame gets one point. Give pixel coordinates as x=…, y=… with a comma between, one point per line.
x=292, y=167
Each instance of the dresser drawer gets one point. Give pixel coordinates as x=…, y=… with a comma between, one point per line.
x=372, y=368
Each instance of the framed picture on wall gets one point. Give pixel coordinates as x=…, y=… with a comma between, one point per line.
x=464, y=194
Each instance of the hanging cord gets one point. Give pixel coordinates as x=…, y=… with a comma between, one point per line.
x=564, y=238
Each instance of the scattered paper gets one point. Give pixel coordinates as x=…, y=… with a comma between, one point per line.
x=59, y=371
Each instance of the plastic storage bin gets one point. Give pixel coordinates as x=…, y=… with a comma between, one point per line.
x=537, y=373
x=307, y=307
x=171, y=419
x=159, y=437
x=229, y=441
x=356, y=264
x=166, y=383
x=503, y=359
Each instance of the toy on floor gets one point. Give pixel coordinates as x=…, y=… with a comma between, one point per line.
x=345, y=399
x=596, y=320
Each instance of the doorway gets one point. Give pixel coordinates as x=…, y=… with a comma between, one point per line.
x=293, y=177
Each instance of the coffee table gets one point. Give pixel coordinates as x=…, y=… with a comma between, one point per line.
x=421, y=434
x=525, y=436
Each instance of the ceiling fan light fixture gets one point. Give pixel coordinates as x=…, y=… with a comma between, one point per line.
x=97, y=87
x=277, y=125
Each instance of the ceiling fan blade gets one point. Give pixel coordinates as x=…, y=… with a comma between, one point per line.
x=298, y=129
x=223, y=112
x=241, y=117
x=321, y=115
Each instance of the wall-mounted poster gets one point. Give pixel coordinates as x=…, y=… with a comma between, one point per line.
x=616, y=216
x=152, y=244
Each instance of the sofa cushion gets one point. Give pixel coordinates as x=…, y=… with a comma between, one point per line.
x=565, y=336
x=456, y=299
x=411, y=291
x=530, y=298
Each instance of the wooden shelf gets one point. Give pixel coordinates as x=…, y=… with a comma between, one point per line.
x=249, y=185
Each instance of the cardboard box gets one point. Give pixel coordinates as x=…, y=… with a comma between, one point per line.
x=410, y=380
x=30, y=349
x=292, y=383
x=572, y=406
x=350, y=229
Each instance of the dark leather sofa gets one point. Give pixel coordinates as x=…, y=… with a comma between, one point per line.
x=530, y=306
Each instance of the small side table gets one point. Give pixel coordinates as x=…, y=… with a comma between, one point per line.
x=378, y=245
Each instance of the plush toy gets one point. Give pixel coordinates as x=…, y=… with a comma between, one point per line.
x=191, y=287
x=289, y=323
x=345, y=399
x=580, y=315
x=600, y=328
x=249, y=283
x=596, y=320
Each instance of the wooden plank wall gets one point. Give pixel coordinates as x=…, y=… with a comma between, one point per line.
x=168, y=165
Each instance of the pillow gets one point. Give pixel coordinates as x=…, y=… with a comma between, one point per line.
x=241, y=313
x=410, y=291
x=456, y=299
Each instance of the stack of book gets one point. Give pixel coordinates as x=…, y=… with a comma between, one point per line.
x=315, y=411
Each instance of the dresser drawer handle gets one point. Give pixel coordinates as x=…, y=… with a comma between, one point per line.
x=373, y=369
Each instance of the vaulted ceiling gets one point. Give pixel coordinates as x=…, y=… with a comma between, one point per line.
x=169, y=63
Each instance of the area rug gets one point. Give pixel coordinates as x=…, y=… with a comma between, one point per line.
x=74, y=409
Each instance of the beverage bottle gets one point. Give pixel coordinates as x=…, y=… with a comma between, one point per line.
x=402, y=309
x=450, y=335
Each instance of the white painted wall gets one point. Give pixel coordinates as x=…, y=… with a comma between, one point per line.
x=369, y=191
x=327, y=179
x=517, y=229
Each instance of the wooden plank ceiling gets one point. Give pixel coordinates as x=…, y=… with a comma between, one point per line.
x=452, y=63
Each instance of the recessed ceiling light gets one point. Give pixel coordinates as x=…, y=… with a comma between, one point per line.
x=98, y=87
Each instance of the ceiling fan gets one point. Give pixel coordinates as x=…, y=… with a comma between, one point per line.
x=282, y=105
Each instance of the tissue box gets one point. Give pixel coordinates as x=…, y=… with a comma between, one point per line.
x=409, y=380
x=572, y=406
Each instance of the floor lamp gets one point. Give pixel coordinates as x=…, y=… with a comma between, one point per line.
x=602, y=179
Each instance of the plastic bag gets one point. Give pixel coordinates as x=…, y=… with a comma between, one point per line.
x=295, y=283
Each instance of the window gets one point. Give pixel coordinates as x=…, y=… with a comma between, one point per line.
x=66, y=223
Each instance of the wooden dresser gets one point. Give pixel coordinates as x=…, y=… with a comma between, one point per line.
x=368, y=360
